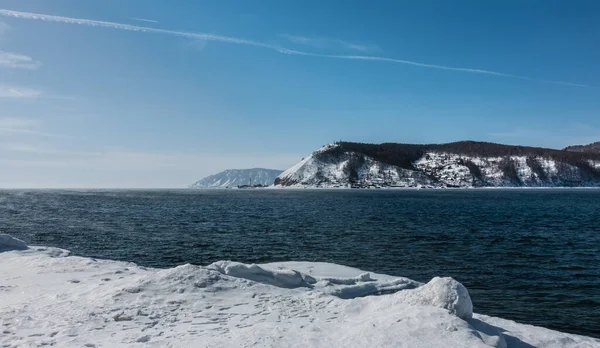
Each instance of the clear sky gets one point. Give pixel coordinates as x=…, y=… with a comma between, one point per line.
x=160, y=93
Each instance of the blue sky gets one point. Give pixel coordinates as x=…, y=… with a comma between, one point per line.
x=162, y=93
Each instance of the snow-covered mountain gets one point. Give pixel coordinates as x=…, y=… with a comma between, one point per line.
x=461, y=164
x=237, y=177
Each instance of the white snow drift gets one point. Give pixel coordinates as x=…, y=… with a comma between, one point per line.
x=48, y=298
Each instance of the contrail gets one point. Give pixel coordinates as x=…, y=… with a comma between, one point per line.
x=112, y=25
x=279, y=49
x=143, y=20
x=441, y=67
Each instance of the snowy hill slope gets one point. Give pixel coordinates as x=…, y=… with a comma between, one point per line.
x=235, y=177
x=463, y=164
x=52, y=299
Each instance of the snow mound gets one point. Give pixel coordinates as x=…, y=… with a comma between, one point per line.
x=180, y=279
x=9, y=243
x=444, y=293
x=282, y=278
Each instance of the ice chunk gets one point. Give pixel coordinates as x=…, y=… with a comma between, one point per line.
x=9, y=243
x=283, y=278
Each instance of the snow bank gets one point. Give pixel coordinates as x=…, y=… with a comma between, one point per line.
x=9, y=243
x=71, y=301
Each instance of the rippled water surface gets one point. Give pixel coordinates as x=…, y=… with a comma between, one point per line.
x=528, y=255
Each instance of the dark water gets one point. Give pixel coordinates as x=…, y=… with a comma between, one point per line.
x=528, y=255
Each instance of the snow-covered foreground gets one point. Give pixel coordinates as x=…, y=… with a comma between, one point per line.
x=50, y=298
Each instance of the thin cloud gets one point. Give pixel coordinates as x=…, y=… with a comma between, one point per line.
x=45, y=150
x=26, y=148
x=197, y=45
x=15, y=131
x=29, y=132
x=13, y=122
x=17, y=61
x=22, y=126
x=3, y=28
x=22, y=93
x=330, y=44
x=19, y=93
x=283, y=50
x=143, y=20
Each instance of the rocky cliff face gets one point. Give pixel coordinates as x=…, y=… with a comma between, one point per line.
x=464, y=164
x=237, y=177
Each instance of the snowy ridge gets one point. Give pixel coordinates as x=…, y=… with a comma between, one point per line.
x=335, y=166
x=592, y=148
x=236, y=177
x=52, y=299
